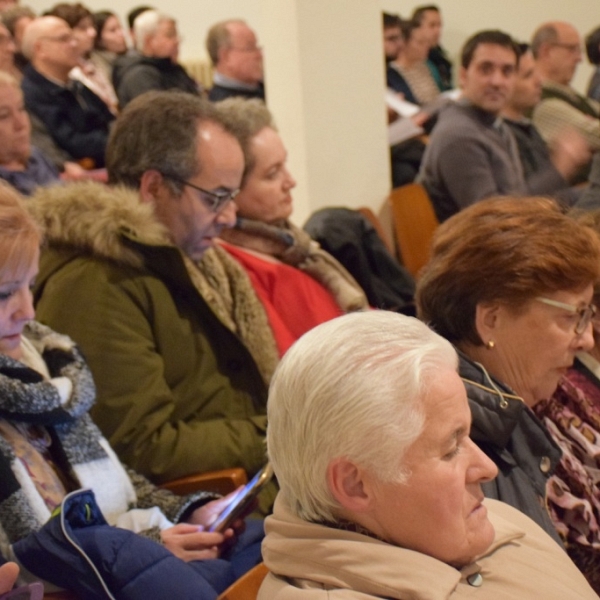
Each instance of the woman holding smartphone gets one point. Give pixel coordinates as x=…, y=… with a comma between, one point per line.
x=50, y=448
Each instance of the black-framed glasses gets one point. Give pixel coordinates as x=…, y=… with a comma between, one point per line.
x=216, y=201
x=586, y=313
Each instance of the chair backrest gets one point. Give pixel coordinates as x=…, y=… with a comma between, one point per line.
x=414, y=224
x=247, y=586
x=366, y=212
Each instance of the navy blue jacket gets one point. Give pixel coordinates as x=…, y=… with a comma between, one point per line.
x=75, y=117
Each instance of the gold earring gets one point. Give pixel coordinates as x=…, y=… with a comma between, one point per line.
x=490, y=344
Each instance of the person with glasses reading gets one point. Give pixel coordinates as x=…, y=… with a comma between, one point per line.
x=511, y=284
x=175, y=336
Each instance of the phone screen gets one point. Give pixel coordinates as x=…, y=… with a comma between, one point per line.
x=242, y=499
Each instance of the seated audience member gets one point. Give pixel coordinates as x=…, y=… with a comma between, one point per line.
x=556, y=47
x=155, y=67
x=405, y=156
x=429, y=18
x=77, y=120
x=21, y=165
x=381, y=486
x=50, y=447
x=132, y=15
x=299, y=284
x=413, y=66
x=124, y=274
x=393, y=46
x=109, y=43
x=592, y=48
x=16, y=19
x=79, y=18
x=568, y=152
x=510, y=283
x=472, y=153
x=237, y=60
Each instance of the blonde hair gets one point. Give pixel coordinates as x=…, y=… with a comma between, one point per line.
x=20, y=234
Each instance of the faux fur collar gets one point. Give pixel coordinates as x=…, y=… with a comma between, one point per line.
x=92, y=218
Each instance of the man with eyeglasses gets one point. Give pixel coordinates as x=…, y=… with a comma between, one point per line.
x=237, y=60
x=77, y=120
x=176, y=338
x=557, y=49
x=154, y=66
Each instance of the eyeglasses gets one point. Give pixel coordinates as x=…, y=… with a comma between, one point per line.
x=586, y=313
x=572, y=48
x=216, y=201
x=248, y=49
x=65, y=38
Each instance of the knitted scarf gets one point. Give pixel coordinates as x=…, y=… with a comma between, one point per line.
x=296, y=248
x=61, y=405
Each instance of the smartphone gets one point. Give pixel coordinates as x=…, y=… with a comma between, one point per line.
x=242, y=500
x=33, y=591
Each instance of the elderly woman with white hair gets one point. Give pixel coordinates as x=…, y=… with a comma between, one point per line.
x=380, y=483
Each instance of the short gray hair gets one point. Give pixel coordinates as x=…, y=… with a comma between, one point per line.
x=158, y=130
x=219, y=37
x=546, y=34
x=350, y=388
x=146, y=25
x=245, y=118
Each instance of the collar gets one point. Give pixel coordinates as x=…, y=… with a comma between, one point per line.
x=487, y=118
x=229, y=82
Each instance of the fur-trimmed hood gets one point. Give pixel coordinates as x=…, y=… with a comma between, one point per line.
x=92, y=218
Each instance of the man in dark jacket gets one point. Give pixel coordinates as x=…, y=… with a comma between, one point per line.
x=237, y=59
x=155, y=66
x=75, y=117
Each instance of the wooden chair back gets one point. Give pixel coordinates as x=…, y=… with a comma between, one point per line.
x=414, y=224
x=247, y=586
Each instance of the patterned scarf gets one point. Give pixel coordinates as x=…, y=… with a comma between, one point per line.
x=27, y=397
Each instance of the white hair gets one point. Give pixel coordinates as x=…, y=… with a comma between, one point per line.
x=350, y=388
x=146, y=25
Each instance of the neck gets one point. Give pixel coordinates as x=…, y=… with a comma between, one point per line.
x=52, y=71
x=512, y=113
x=407, y=62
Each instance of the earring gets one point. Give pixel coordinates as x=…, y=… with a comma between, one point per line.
x=490, y=344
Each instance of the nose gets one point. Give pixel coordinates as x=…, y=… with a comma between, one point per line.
x=289, y=182
x=585, y=341
x=482, y=468
x=24, y=310
x=226, y=218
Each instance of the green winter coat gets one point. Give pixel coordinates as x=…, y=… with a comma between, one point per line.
x=178, y=392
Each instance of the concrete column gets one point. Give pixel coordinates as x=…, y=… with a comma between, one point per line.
x=325, y=81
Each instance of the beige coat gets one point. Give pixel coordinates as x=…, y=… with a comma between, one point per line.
x=319, y=562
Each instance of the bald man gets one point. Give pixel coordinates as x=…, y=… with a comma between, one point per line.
x=75, y=117
x=557, y=49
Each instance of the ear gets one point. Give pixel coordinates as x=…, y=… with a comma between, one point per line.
x=462, y=76
x=151, y=186
x=486, y=319
x=347, y=485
